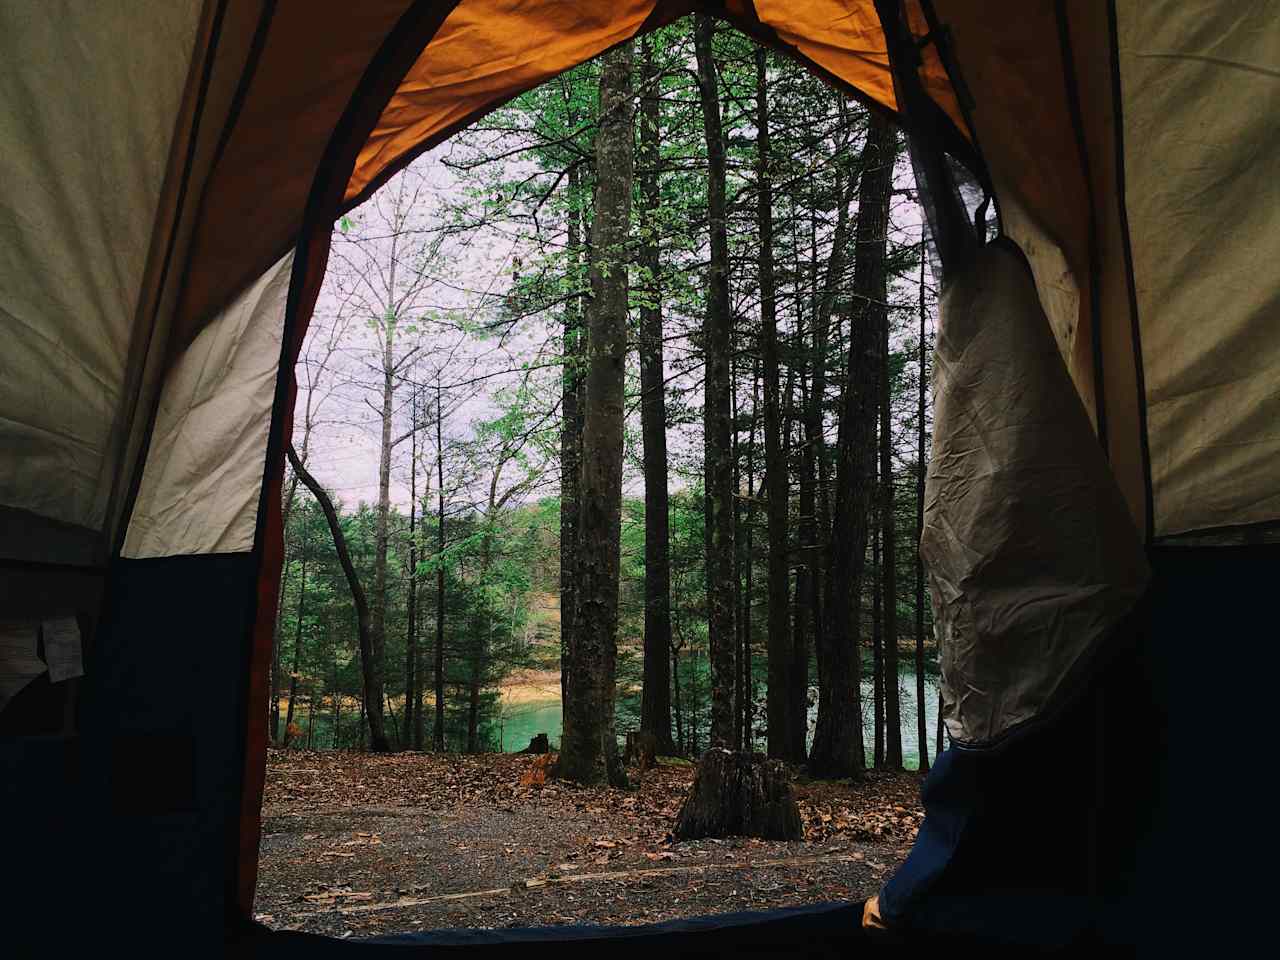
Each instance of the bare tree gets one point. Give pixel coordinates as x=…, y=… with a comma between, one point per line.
x=314, y=369
x=378, y=741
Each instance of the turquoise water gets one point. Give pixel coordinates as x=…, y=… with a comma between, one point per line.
x=520, y=724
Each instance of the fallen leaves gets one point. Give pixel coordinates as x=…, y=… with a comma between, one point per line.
x=883, y=807
x=537, y=773
x=374, y=840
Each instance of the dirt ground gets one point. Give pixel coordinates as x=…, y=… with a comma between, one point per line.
x=359, y=845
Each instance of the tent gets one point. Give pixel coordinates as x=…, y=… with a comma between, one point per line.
x=169, y=174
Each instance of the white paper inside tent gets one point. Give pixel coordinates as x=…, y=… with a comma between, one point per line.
x=205, y=465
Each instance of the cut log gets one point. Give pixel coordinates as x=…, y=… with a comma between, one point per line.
x=539, y=744
x=739, y=795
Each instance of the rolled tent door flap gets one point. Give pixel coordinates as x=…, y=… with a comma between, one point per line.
x=1032, y=555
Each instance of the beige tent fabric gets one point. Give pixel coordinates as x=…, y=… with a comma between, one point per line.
x=313, y=58
x=224, y=44
x=203, y=477
x=1201, y=97
x=486, y=52
x=1032, y=556
x=1089, y=32
x=89, y=96
x=1056, y=285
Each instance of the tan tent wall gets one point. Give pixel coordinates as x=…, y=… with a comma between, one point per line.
x=226, y=48
x=312, y=58
x=1012, y=66
x=1087, y=29
x=1182, y=373
x=1201, y=96
x=202, y=481
x=86, y=147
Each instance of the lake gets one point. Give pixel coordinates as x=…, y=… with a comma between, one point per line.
x=520, y=723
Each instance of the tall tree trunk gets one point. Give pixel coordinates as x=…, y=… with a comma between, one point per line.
x=297, y=639
x=798, y=688
x=377, y=733
x=655, y=697
x=481, y=656
x=718, y=461
x=589, y=749
x=419, y=717
x=748, y=699
x=838, y=748
x=922, y=726
x=337, y=702
x=438, y=726
x=570, y=450
x=411, y=603
x=474, y=685
x=815, y=507
x=877, y=656
x=739, y=693
x=277, y=668
x=311, y=714
x=675, y=682
x=780, y=703
x=808, y=596
x=378, y=610
x=889, y=575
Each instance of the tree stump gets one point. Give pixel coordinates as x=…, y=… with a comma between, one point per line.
x=739, y=795
x=642, y=749
x=538, y=744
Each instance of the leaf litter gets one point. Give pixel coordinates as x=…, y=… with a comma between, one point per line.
x=364, y=844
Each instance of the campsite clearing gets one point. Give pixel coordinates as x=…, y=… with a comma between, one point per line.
x=416, y=841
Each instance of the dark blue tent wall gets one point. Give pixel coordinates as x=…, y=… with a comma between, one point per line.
x=134, y=826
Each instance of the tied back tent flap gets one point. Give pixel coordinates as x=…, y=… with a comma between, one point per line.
x=170, y=171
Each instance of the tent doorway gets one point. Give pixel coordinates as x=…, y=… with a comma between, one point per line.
x=432, y=388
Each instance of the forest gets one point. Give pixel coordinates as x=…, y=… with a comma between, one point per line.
x=622, y=391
